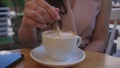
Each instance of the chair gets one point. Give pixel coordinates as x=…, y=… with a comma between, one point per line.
x=4, y=38
x=111, y=46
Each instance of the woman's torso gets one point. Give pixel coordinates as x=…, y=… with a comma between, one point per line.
x=81, y=17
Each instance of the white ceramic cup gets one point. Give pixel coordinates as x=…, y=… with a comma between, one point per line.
x=60, y=48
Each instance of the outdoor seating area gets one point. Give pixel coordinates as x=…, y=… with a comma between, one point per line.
x=72, y=50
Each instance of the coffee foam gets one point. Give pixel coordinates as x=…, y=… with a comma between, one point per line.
x=62, y=35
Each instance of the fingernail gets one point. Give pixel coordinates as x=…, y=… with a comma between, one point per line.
x=52, y=21
x=44, y=26
x=58, y=17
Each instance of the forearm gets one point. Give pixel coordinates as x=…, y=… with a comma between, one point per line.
x=96, y=46
x=27, y=35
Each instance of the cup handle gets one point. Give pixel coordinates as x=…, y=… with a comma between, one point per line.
x=79, y=41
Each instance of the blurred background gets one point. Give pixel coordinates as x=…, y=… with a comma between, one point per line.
x=11, y=13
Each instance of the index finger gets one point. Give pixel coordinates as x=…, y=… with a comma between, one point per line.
x=42, y=3
x=50, y=9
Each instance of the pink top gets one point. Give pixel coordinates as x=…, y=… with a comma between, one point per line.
x=81, y=17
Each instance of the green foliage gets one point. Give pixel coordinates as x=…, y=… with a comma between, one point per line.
x=18, y=4
x=18, y=7
x=5, y=3
x=20, y=15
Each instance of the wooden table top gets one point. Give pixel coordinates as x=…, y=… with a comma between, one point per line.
x=92, y=60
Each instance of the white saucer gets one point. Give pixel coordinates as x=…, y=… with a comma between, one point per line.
x=38, y=54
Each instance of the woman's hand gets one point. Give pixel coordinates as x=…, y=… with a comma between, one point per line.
x=38, y=13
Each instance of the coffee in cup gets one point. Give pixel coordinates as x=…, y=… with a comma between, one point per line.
x=60, y=47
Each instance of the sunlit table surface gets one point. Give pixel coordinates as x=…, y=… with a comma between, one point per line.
x=92, y=60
